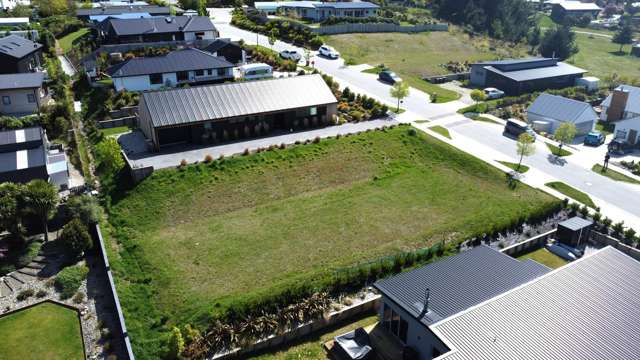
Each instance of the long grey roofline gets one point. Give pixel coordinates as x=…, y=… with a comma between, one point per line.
x=204, y=103
x=21, y=80
x=561, y=69
x=17, y=46
x=458, y=282
x=560, y=108
x=178, y=60
x=588, y=309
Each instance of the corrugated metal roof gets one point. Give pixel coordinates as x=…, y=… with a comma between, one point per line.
x=17, y=46
x=561, y=108
x=21, y=80
x=180, y=106
x=179, y=60
x=633, y=103
x=348, y=5
x=20, y=135
x=576, y=223
x=589, y=309
x=560, y=69
x=158, y=25
x=513, y=61
x=578, y=5
x=116, y=10
x=458, y=282
x=218, y=44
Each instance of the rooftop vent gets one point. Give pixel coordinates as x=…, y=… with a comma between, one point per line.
x=168, y=20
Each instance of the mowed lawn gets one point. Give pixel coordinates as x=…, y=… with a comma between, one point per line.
x=186, y=243
x=66, y=42
x=46, y=331
x=600, y=57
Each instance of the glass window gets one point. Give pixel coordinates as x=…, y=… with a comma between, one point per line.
x=199, y=72
x=182, y=75
x=31, y=98
x=313, y=111
x=402, y=332
x=395, y=322
x=155, y=79
x=386, y=320
x=6, y=100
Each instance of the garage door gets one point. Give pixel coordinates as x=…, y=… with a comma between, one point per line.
x=170, y=136
x=584, y=128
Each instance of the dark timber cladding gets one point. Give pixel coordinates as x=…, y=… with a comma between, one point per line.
x=231, y=111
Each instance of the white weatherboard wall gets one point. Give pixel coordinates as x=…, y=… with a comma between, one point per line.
x=625, y=126
x=142, y=82
x=208, y=35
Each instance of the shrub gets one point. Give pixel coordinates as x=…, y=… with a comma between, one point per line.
x=176, y=344
x=78, y=297
x=584, y=210
x=316, y=139
x=606, y=223
x=245, y=152
x=283, y=146
x=25, y=294
x=618, y=228
x=86, y=208
x=41, y=293
x=411, y=132
x=208, y=158
x=75, y=237
x=597, y=216
x=69, y=280
x=630, y=235
x=183, y=162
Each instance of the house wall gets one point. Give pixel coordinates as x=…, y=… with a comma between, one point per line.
x=623, y=129
x=584, y=124
x=28, y=63
x=478, y=75
x=625, y=115
x=207, y=35
x=144, y=122
x=143, y=82
x=512, y=87
x=19, y=101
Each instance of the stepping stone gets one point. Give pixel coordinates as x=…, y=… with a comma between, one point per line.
x=35, y=265
x=40, y=259
x=29, y=271
x=21, y=277
x=13, y=283
x=4, y=289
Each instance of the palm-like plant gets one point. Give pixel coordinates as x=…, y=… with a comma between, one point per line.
x=41, y=198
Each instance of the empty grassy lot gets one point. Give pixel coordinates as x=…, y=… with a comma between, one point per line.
x=600, y=56
x=46, y=331
x=188, y=243
x=412, y=55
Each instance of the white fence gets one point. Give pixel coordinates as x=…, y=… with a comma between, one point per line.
x=376, y=28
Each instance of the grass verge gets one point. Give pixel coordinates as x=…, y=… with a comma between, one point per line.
x=485, y=119
x=614, y=175
x=544, y=257
x=441, y=130
x=66, y=42
x=522, y=169
x=115, y=130
x=556, y=150
x=571, y=192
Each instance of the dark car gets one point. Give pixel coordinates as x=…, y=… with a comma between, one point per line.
x=594, y=138
x=389, y=76
x=619, y=147
x=515, y=128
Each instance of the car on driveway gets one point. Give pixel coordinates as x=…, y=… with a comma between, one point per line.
x=290, y=55
x=389, y=77
x=515, y=128
x=594, y=138
x=328, y=51
x=493, y=93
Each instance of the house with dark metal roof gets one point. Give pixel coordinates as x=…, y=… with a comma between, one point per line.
x=22, y=93
x=520, y=76
x=19, y=55
x=230, y=50
x=224, y=112
x=153, y=10
x=25, y=155
x=574, y=9
x=318, y=10
x=154, y=29
x=415, y=300
x=588, y=309
x=186, y=66
x=548, y=111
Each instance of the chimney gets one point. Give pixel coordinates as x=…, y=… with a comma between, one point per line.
x=426, y=301
x=618, y=104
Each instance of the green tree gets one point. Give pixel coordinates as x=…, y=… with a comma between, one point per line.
x=75, y=237
x=559, y=42
x=108, y=156
x=534, y=37
x=176, y=344
x=10, y=217
x=526, y=146
x=565, y=133
x=273, y=37
x=624, y=36
x=86, y=208
x=41, y=199
x=48, y=8
x=478, y=95
x=399, y=90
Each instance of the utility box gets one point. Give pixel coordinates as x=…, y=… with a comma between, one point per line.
x=590, y=83
x=574, y=232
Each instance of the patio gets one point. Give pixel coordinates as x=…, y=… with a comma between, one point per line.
x=385, y=346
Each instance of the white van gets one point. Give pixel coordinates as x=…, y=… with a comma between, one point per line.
x=256, y=71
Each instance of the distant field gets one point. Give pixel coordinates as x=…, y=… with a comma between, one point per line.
x=600, y=56
x=186, y=243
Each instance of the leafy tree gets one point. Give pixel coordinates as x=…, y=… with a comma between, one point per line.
x=75, y=237
x=176, y=344
x=108, y=155
x=20, y=10
x=565, y=133
x=48, y=8
x=400, y=90
x=85, y=208
x=624, y=36
x=526, y=146
x=10, y=219
x=273, y=37
x=41, y=199
x=559, y=42
x=534, y=37
x=478, y=95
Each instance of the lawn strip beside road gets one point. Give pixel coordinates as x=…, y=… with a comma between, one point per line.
x=441, y=130
x=573, y=193
x=615, y=175
x=557, y=151
x=521, y=169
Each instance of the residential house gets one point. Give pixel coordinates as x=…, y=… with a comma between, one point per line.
x=170, y=28
x=318, y=10
x=22, y=93
x=574, y=9
x=519, y=76
x=548, y=111
x=186, y=66
x=10, y=4
x=153, y=10
x=13, y=21
x=232, y=51
x=19, y=55
x=223, y=112
x=622, y=108
x=25, y=155
x=482, y=304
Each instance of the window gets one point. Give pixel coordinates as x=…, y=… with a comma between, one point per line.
x=6, y=100
x=155, y=79
x=199, y=72
x=221, y=72
x=396, y=325
x=313, y=111
x=182, y=75
x=402, y=331
x=386, y=320
x=31, y=98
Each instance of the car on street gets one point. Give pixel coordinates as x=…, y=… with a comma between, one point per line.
x=493, y=93
x=328, y=51
x=619, y=147
x=515, y=128
x=594, y=138
x=290, y=55
x=389, y=77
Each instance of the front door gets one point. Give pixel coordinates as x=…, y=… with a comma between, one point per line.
x=633, y=135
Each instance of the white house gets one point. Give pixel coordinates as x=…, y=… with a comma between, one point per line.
x=622, y=108
x=186, y=66
x=628, y=130
x=548, y=111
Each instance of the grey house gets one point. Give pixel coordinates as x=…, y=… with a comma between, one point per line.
x=548, y=111
x=230, y=111
x=153, y=10
x=19, y=55
x=154, y=29
x=22, y=94
x=318, y=10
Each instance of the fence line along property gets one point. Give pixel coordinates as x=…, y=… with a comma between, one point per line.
x=375, y=28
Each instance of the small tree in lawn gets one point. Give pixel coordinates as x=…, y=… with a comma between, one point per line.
x=624, y=36
x=273, y=37
x=526, y=146
x=41, y=199
x=75, y=237
x=478, y=95
x=400, y=90
x=565, y=133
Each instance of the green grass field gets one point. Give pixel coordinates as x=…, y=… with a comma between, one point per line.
x=544, y=257
x=522, y=169
x=191, y=242
x=412, y=56
x=441, y=130
x=571, y=192
x=46, y=331
x=555, y=150
x=600, y=56
x=614, y=175
x=66, y=42
x=115, y=130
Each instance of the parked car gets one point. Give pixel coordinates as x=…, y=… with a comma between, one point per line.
x=493, y=93
x=516, y=127
x=328, y=51
x=389, y=76
x=619, y=147
x=290, y=55
x=594, y=138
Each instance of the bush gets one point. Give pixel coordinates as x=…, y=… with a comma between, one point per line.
x=411, y=132
x=183, y=163
x=78, y=297
x=69, y=280
x=208, y=158
x=41, y=293
x=86, y=208
x=75, y=237
x=25, y=294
